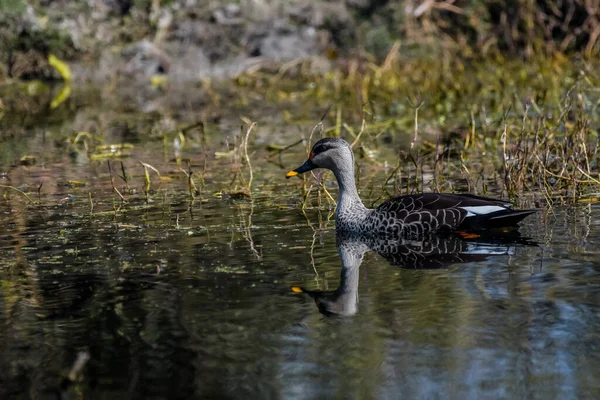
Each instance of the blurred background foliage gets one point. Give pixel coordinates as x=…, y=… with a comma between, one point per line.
x=88, y=32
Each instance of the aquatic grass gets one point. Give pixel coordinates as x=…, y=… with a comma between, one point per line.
x=111, y=151
x=251, y=126
x=454, y=125
x=245, y=227
x=112, y=182
x=317, y=177
x=239, y=185
x=192, y=188
x=147, y=175
x=449, y=86
x=319, y=229
x=278, y=151
x=22, y=193
x=527, y=128
x=123, y=176
x=559, y=160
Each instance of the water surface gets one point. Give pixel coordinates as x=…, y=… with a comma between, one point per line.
x=173, y=297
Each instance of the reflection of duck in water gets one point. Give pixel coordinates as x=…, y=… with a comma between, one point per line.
x=434, y=252
x=406, y=216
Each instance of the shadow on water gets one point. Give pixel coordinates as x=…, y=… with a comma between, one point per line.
x=432, y=252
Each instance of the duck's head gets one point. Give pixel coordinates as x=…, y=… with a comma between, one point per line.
x=329, y=153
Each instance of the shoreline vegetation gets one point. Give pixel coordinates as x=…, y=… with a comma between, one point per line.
x=477, y=94
x=196, y=40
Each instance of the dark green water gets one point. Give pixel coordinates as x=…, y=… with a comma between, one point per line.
x=177, y=299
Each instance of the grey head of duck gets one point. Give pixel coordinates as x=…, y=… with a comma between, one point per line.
x=335, y=154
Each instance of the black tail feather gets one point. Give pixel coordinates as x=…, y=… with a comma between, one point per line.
x=498, y=219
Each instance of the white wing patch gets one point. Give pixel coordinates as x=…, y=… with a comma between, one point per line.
x=481, y=210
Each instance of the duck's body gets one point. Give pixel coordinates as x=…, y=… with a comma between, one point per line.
x=420, y=214
x=405, y=216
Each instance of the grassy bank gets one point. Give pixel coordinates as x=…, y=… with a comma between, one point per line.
x=526, y=130
x=529, y=127
x=448, y=96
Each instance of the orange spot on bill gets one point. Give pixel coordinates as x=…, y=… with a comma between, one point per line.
x=296, y=289
x=290, y=174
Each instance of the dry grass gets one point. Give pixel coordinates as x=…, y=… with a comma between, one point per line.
x=528, y=129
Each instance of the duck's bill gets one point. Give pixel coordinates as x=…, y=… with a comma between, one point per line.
x=307, y=166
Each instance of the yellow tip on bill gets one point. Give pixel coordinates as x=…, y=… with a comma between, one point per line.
x=296, y=289
x=290, y=174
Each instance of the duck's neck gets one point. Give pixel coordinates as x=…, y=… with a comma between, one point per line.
x=351, y=211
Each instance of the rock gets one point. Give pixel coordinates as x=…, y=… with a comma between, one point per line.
x=191, y=63
x=103, y=8
x=145, y=59
x=289, y=46
x=228, y=15
x=184, y=39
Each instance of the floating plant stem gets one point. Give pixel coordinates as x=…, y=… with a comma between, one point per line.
x=192, y=188
x=247, y=157
x=146, y=178
x=280, y=150
x=319, y=126
x=362, y=129
x=124, y=177
x=112, y=182
x=416, y=106
x=39, y=192
x=19, y=191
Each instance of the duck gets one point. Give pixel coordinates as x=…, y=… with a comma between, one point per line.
x=408, y=216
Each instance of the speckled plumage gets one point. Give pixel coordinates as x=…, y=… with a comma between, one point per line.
x=409, y=216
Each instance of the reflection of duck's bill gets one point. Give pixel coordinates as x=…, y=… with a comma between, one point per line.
x=310, y=293
x=313, y=294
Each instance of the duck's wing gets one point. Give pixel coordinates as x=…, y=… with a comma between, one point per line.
x=418, y=214
x=428, y=212
x=442, y=201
